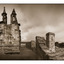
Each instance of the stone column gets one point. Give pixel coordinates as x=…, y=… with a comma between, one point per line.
x=50, y=41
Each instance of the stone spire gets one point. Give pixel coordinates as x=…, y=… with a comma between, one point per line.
x=13, y=12
x=4, y=14
x=13, y=17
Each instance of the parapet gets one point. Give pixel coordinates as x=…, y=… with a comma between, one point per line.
x=50, y=33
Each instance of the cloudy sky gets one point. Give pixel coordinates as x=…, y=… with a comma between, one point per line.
x=37, y=20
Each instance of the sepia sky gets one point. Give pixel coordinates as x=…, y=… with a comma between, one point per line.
x=37, y=20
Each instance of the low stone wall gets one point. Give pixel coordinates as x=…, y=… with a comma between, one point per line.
x=9, y=50
x=28, y=45
x=31, y=45
x=41, y=54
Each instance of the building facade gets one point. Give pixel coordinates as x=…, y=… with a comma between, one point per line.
x=9, y=33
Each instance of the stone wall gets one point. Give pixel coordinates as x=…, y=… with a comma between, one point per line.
x=2, y=34
x=10, y=35
x=28, y=45
x=31, y=45
x=7, y=37
x=9, y=49
x=40, y=53
x=15, y=36
x=43, y=49
x=50, y=41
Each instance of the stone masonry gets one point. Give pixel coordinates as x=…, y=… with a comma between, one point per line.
x=50, y=41
x=10, y=38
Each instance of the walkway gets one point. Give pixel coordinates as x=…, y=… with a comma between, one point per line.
x=25, y=54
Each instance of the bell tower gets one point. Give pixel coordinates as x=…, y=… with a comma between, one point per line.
x=13, y=17
x=4, y=14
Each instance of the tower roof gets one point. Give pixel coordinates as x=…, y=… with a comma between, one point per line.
x=4, y=12
x=13, y=12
